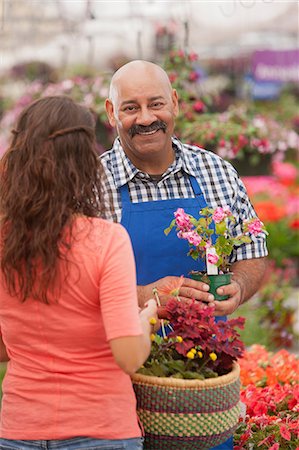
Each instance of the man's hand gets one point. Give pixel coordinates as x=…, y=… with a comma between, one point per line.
x=226, y=307
x=189, y=290
x=246, y=280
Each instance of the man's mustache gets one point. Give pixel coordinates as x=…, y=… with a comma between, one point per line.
x=139, y=129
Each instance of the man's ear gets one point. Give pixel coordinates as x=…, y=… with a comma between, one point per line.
x=110, y=112
x=175, y=101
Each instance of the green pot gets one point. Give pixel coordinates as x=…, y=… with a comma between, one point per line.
x=215, y=281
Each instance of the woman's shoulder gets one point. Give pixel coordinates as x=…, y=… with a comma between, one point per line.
x=97, y=226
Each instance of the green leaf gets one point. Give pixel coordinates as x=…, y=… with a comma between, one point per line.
x=221, y=227
x=168, y=230
x=176, y=365
x=177, y=375
x=188, y=375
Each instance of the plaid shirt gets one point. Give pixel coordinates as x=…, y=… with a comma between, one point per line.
x=218, y=180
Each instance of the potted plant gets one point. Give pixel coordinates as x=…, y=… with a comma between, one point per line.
x=212, y=237
x=188, y=390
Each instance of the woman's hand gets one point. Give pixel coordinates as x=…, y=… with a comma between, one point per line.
x=149, y=314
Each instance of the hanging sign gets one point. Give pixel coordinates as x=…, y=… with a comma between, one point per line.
x=276, y=65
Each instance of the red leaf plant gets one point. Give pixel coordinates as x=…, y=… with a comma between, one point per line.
x=197, y=346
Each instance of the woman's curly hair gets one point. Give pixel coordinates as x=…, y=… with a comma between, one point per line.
x=50, y=172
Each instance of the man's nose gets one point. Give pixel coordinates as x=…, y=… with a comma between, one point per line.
x=145, y=116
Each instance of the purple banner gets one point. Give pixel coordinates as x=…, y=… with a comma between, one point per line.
x=272, y=65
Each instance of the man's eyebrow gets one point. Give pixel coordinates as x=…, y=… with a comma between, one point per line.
x=151, y=99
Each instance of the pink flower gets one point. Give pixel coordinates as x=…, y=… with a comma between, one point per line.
x=193, y=76
x=255, y=227
x=182, y=220
x=199, y=106
x=193, y=56
x=191, y=236
x=219, y=215
x=213, y=259
x=286, y=172
x=285, y=433
x=274, y=447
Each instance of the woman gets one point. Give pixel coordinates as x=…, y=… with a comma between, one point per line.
x=68, y=302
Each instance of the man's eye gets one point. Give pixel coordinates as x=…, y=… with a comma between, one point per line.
x=156, y=105
x=130, y=108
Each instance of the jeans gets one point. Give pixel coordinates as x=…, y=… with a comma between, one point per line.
x=82, y=443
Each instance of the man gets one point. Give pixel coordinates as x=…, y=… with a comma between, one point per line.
x=150, y=174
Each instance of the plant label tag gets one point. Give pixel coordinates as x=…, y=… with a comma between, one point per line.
x=211, y=254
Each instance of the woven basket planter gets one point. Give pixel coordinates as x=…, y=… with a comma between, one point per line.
x=187, y=414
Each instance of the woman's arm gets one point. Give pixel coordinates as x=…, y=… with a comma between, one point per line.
x=3, y=353
x=130, y=352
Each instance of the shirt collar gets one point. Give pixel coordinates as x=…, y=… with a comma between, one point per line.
x=124, y=170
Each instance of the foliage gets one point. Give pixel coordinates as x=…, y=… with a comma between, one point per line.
x=270, y=391
x=274, y=312
x=198, y=233
x=271, y=314
x=198, y=347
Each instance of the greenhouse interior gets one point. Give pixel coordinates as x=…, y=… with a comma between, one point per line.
x=235, y=67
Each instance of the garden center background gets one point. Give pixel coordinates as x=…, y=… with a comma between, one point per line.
x=235, y=65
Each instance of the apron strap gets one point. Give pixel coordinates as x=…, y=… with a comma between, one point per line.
x=124, y=193
x=195, y=186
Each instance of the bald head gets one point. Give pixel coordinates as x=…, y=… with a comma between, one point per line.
x=137, y=71
x=142, y=106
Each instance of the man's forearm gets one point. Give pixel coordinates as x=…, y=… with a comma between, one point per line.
x=249, y=274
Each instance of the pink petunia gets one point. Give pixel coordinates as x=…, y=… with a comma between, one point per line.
x=182, y=220
x=219, y=215
x=255, y=227
x=212, y=258
x=192, y=237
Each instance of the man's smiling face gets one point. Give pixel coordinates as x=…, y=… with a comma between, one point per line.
x=143, y=109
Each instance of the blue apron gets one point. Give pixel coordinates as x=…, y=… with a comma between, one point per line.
x=157, y=255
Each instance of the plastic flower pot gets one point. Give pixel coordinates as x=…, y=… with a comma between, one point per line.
x=215, y=281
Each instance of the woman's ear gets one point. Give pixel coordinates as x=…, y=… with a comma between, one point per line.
x=110, y=112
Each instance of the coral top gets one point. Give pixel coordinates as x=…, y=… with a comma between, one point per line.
x=62, y=380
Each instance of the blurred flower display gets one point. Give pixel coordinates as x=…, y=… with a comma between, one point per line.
x=91, y=92
x=270, y=391
x=239, y=134
x=276, y=201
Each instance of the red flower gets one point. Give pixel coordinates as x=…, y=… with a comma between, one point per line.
x=294, y=224
x=274, y=447
x=193, y=76
x=172, y=77
x=285, y=433
x=269, y=211
x=193, y=56
x=199, y=106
